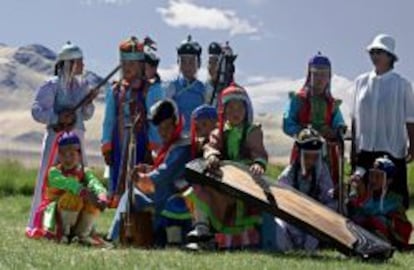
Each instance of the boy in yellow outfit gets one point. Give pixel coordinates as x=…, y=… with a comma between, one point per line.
x=75, y=195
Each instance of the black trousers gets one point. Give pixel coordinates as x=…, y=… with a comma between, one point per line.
x=399, y=185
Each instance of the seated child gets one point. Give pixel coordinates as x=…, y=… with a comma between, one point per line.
x=75, y=196
x=380, y=210
x=203, y=122
x=157, y=185
x=238, y=139
x=310, y=175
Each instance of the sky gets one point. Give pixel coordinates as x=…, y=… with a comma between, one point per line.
x=273, y=38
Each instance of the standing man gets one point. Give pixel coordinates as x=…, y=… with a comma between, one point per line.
x=220, y=69
x=124, y=100
x=383, y=117
x=187, y=91
x=214, y=51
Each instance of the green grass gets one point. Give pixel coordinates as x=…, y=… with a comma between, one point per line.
x=16, y=179
x=18, y=252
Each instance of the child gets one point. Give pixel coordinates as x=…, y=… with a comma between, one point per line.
x=158, y=184
x=381, y=210
x=50, y=107
x=203, y=122
x=123, y=102
x=186, y=90
x=308, y=174
x=238, y=139
x=314, y=106
x=73, y=195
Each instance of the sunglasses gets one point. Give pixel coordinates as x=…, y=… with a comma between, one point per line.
x=377, y=52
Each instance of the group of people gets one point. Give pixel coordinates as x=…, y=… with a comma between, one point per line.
x=190, y=119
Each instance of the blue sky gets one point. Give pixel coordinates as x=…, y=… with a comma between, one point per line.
x=273, y=38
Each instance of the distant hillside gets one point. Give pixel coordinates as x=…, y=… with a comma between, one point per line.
x=23, y=70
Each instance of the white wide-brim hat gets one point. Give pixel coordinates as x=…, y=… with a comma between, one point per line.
x=383, y=42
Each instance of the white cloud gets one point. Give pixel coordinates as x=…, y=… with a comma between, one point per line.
x=184, y=13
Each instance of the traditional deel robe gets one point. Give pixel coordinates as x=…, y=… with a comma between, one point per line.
x=319, y=186
x=62, y=193
x=51, y=98
x=188, y=96
x=387, y=219
x=234, y=220
x=167, y=175
x=155, y=93
x=122, y=104
x=209, y=85
x=320, y=112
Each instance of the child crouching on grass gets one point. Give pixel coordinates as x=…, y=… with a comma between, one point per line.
x=380, y=210
x=308, y=174
x=73, y=197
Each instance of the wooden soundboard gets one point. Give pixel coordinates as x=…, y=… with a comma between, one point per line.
x=293, y=207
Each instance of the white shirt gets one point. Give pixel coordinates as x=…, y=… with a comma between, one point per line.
x=382, y=106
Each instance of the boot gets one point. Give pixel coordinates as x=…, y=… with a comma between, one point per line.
x=200, y=233
x=69, y=219
x=84, y=229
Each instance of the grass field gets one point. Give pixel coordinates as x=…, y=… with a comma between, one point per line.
x=18, y=252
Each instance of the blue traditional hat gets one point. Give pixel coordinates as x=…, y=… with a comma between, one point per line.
x=205, y=112
x=132, y=50
x=319, y=60
x=69, y=138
